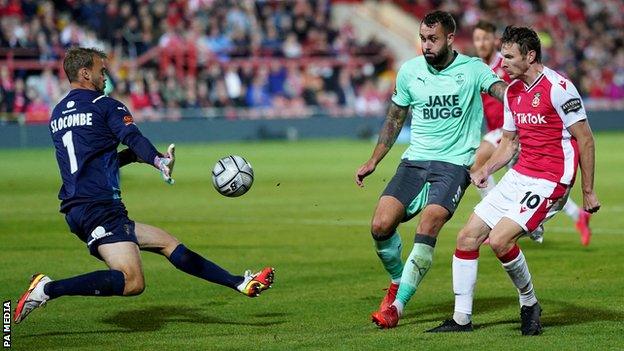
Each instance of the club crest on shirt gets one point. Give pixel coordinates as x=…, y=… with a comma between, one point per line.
x=460, y=78
x=536, y=99
x=128, y=120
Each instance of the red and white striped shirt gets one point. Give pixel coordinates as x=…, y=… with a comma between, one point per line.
x=541, y=114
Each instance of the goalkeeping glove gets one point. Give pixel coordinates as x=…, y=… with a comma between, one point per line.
x=165, y=164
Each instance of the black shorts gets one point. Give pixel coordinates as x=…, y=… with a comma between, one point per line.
x=98, y=223
x=420, y=183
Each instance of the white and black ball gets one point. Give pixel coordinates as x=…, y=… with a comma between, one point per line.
x=232, y=176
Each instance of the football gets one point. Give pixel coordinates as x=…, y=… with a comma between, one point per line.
x=232, y=176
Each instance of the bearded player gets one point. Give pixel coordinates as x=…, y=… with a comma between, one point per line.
x=443, y=90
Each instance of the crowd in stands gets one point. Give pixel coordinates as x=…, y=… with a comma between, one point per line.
x=270, y=58
x=582, y=38
x=283, y=56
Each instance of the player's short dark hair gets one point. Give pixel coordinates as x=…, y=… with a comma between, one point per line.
x=445, y=19
x=77, y=58
x=526, y=38
x=486, y=26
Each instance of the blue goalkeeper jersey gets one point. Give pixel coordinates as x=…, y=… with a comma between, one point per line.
x=86, y=129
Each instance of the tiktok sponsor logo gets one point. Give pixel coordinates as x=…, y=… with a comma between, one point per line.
x=529, y=118
x=443, y=107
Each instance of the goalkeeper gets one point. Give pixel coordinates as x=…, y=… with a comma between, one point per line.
x=86, y=128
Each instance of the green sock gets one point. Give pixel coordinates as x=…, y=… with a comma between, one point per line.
x=417, y=265
x=389, y=252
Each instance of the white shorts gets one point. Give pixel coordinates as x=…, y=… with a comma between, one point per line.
x=494, y=136
x=526, y=200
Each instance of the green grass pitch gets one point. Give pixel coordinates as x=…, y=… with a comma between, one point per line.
x=306, y=217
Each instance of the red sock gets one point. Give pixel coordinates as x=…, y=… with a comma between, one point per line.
x=510, y=255
x=467, y=255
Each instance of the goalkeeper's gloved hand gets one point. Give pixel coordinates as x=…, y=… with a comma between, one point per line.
x=165, y=164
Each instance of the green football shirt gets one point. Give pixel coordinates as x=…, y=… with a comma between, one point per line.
x=447, y=112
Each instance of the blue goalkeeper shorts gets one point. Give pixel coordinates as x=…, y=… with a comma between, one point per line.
x=98, y=223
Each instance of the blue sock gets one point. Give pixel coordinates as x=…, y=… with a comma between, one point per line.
x=98, y=283
x=192, y=263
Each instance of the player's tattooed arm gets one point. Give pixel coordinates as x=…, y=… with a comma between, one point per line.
x=387, y=136
x=395, y=119
x=393, y=124
x=497, y=90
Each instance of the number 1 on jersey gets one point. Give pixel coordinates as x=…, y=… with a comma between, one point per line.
x=68, y=142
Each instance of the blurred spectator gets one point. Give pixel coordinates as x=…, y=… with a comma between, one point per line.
x=37, y=111
x=155, y=99
x=7, y=90
x=258, y=92
x=203, y=97
x=138, y=97
x=276, y=79
x=46, y=85
x=369, y=100
x=292, y=48
x=345, y=91
x=20, y=101
x=233, y=84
